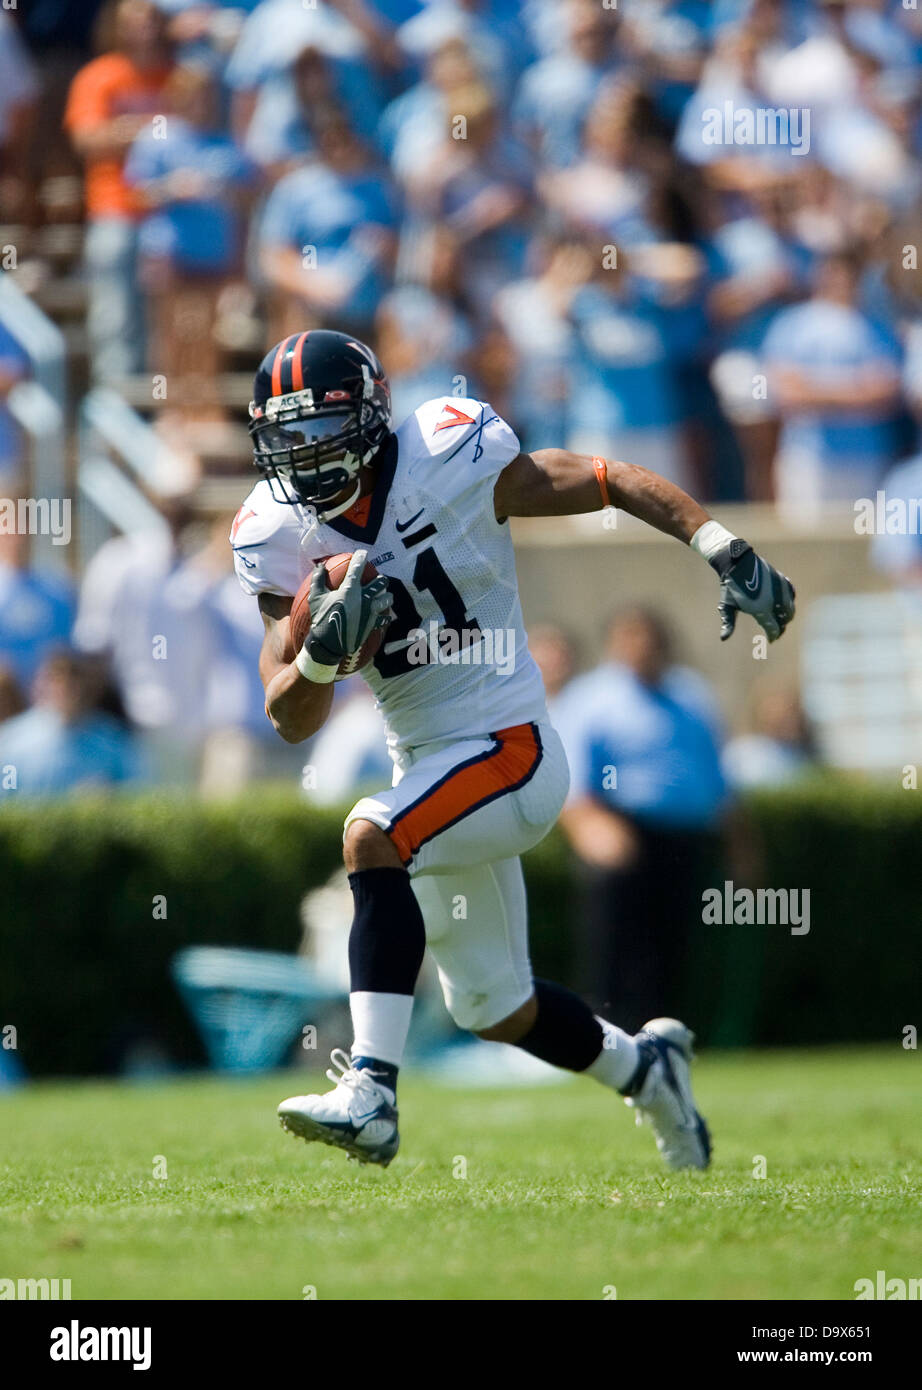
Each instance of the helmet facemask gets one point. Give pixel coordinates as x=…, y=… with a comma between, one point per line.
x=311, y=453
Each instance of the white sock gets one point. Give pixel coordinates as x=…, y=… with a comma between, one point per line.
x=380, y=1023
x=617, y=1062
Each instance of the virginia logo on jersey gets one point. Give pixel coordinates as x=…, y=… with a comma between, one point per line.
x=457, y=417
x=239, y=519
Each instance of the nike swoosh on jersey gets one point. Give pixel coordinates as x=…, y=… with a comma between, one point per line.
x=401, y=527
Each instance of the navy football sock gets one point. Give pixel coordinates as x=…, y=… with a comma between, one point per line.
x=566, y=1033
x=386, y=948
x=388, y=939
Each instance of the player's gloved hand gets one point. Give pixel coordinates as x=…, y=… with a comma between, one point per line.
x=749, y=584
x=343, y=619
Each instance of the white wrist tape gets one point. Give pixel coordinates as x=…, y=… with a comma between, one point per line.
x=313, y=670
x=711, y=538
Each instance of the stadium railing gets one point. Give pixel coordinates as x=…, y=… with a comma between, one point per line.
x=118, y=451
x=39, y=405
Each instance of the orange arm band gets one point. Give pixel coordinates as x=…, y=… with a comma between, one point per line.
x=601, y=472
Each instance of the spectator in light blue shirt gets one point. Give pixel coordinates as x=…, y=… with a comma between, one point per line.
x=279, y=131
x=36, y=609
x=756, y=268
x=726, y=125
x=497, y=39
x=327, y=236
x=605, y=190
x=14, y=366
x=631, y=333
x=533, y=314
x=413, y=125
x=63, y=744
x=428, y=341
x=836, y=377
x=778, y=750
x=193, y=181
x=656, y=722
x=479, y=187
x=276, y=30
x=647, y=796
x=671, y=40
x=554, y=96
x=196, y=183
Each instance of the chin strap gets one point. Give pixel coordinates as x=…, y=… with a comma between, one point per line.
x=324, y=515
x=309, y=520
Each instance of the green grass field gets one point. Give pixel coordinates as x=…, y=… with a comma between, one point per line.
x=563, y=1198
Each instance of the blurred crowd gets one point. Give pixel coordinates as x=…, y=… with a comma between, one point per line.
x=685, y=229
x=146, y=671
x=577, y=210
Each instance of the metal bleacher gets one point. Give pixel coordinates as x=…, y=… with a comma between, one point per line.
x=861, y=667
x=103, y=450
x=39, y=405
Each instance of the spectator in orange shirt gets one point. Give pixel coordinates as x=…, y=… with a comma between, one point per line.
x=111, y=101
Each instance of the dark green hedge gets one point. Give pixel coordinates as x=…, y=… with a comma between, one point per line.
x=84, y=963
x=857, y=975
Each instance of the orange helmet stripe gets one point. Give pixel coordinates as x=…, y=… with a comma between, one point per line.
x=277, y=365
x=297, y=371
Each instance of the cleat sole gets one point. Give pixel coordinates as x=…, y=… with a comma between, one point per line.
x=301, y=1127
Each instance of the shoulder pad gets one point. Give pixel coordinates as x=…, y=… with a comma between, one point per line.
x=447, y=421
x=260, y=518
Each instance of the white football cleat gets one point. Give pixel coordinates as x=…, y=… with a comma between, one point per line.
x=358, y=1115
x=663, y=1095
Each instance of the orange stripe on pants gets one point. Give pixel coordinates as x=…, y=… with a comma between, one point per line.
x=468, y=787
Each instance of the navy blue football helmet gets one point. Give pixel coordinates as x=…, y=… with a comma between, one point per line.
x=321, y=409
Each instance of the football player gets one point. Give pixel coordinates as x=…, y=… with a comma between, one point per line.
x=479, y=773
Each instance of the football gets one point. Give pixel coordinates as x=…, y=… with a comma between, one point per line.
x=300, y=617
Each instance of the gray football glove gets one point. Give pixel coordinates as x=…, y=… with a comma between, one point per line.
x=342, y=619
x=749, y=584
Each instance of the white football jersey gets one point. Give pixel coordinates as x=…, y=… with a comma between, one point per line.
x=455, y=661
